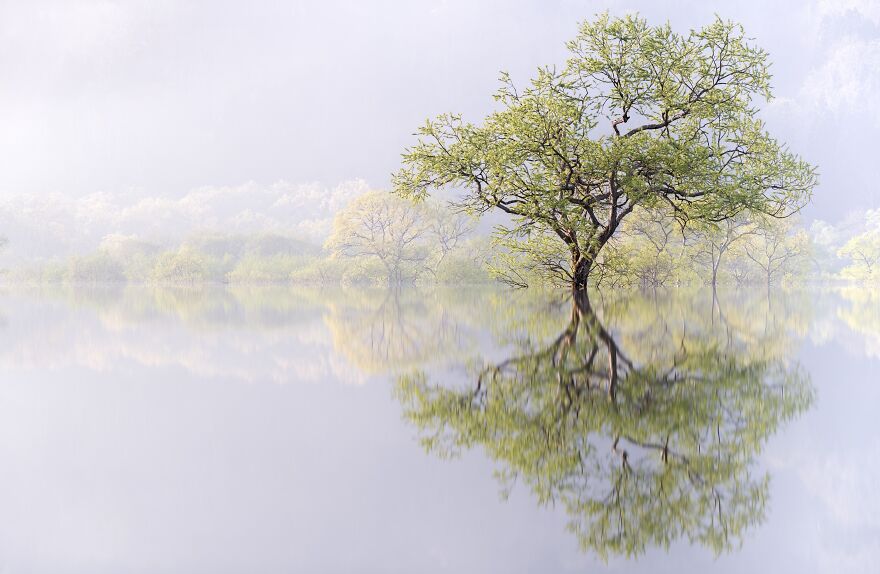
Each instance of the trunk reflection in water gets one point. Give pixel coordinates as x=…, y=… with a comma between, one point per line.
x=643, y=441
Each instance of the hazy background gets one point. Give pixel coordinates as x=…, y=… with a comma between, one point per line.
x=160, y=117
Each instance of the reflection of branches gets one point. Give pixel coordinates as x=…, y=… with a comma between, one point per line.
x=639, y=453
x=393, y=329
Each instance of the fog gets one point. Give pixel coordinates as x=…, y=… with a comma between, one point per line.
x=161, y=119
x=55, y=225
x=215, y=359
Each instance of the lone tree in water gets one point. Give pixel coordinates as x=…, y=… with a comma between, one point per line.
x=639, y=117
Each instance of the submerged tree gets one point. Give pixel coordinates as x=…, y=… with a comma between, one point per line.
x=863, y=251
x=714, y=240
x=640, y=116
x=648, y=251
x=405, y=239
x=377, y=226
x=777, y=249
x=638, y=452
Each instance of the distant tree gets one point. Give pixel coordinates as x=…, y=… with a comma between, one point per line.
x=385, y=228
x=184, y=265
x=95, y=268
x=467, y=266
x=712, y=241
x=651, y=247
x=863, y=251
x=776, y=248
x=826, y=242
x=216, y=245
x=741, y=268
x=274, y=244
x=559, y=158
x=126, y=247
x=135, y=255
x=448, y=229
x=406, y=239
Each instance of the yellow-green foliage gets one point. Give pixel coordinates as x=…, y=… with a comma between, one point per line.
x=639, y=116
x=267, y=269
x=319, y=271
x=186, y=266
x=383, y=238
x=462, y=269
x=863, y=253
x=97, y=268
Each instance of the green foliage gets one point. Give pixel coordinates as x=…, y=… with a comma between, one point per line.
x=321, y=270
x=559, y=157
x=133, y=254
x=649, y=252
x=394, y=240
x=186, y=266
x=863, y=254
x=97, y=268
x=462, y=268
x=219, y=246
x=778, y=250
x=267, y=269
x=439, y=252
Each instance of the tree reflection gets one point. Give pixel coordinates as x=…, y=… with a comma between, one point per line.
x=383, y=331
x=641, y=448
x=862, y=315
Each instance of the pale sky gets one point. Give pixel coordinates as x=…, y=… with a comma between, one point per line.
x=159, y=97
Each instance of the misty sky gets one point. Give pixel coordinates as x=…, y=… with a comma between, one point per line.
x=158, y=98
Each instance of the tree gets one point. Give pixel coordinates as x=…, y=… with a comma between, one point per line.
x=715, y=239
x=448, y=229
x=404, y=238
x=863, y=251
x=651, y=248
x=384, y=228
x=184, y=265
x=639, y=116
x=96, y=268
x=638, y=452
x=776, y=248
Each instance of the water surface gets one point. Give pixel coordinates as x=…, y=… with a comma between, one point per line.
x=213, y=429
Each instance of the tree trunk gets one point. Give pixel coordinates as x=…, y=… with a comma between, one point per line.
x=581, y=267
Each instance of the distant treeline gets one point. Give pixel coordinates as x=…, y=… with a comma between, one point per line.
x=377, y=239
x=381, y=239
x=217, y=258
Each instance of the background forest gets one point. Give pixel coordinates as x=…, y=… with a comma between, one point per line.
x=378, y=238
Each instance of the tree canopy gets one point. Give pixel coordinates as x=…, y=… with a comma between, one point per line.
x=638, y=117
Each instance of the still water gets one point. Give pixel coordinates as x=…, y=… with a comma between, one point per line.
x=479, y=430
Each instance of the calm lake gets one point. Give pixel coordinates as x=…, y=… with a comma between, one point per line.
x=242, y=429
